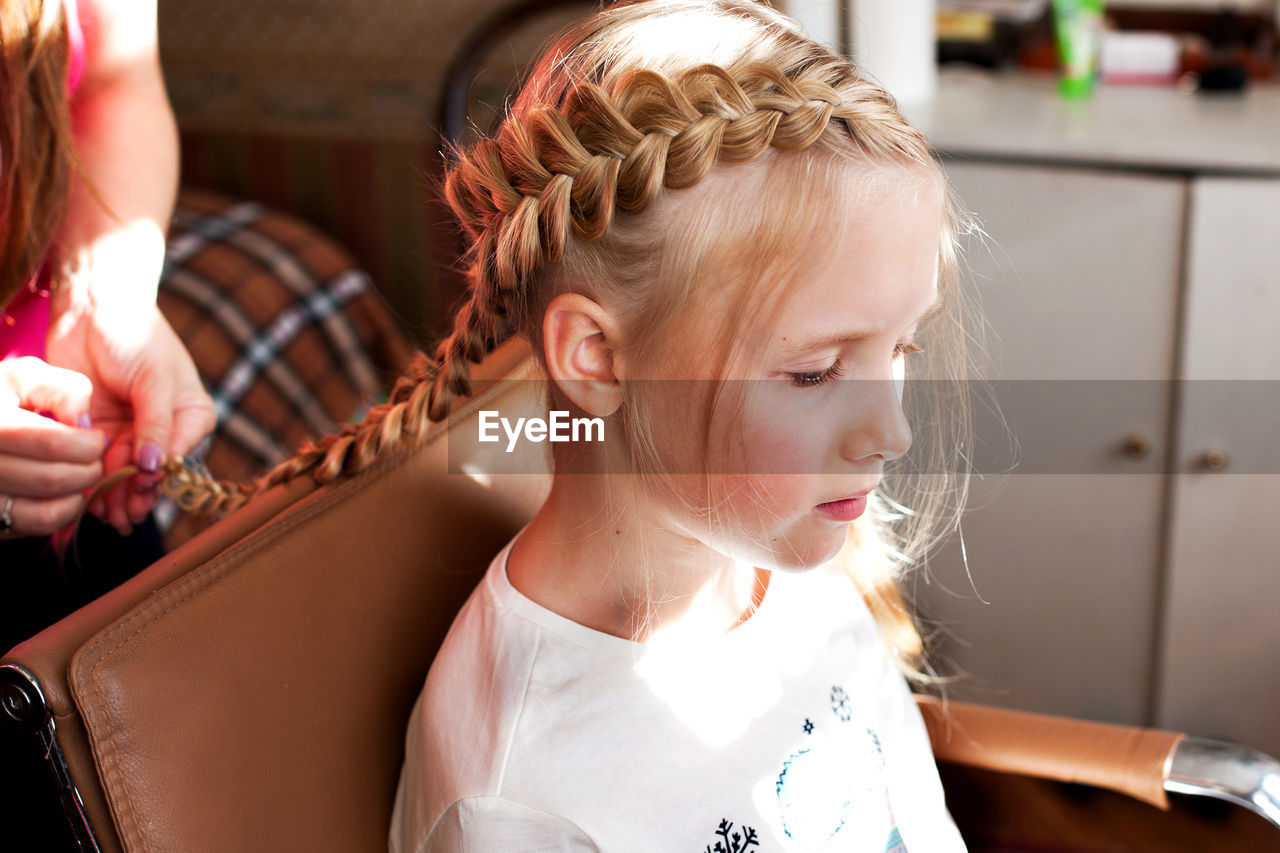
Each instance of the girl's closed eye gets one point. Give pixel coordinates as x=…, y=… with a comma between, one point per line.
x=811, y=379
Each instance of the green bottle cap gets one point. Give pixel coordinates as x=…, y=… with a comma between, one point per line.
x=1075, y=87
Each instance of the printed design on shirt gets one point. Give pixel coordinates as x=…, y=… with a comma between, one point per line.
x=832, y=792
x=840, y=704
x=894, y=844
x=733, y=842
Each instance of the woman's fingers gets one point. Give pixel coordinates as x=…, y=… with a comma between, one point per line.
x=32, y=384
x=115, y=501
x=45, y=464
x=42, y=458
x=172, y=411
x=141, y=500
x=193, y=419
x=39, y=516
x=35, y=437
x=25, y=477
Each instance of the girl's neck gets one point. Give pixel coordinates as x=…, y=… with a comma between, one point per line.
x=622, y=570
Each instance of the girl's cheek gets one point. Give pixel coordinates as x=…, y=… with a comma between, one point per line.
x=761, y=507
x=778, y=444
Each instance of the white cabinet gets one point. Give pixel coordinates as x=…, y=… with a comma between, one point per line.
x=1219, y=662
x=1115, y=590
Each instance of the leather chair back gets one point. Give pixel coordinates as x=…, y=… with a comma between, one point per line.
x=251, y=690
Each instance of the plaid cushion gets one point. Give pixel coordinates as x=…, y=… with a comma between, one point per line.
x=290, y=337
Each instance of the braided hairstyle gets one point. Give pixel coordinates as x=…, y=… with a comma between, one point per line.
x=606, y=123
x=644, y=98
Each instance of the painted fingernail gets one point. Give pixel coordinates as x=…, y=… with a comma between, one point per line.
x=149, y=457
x=85, y=421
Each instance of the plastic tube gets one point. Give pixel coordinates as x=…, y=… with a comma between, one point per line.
x=1078, y=25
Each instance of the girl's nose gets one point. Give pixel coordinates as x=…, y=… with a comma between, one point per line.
x=877, y=425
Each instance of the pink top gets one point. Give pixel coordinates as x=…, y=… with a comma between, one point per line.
x=24, y=322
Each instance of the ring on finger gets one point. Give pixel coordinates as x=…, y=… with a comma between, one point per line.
x=6, y=516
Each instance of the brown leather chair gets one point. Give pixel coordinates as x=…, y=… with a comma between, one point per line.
x=250, y=691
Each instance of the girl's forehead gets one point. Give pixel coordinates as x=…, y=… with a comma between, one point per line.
x=880, y=276
x=797, y=239
x=874, y=272
x=796, y=203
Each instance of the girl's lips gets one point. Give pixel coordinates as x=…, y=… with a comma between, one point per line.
x=846, y=509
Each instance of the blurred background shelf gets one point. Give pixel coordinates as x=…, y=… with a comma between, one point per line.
x=1017, y=116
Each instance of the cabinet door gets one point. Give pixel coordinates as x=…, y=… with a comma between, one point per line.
x=1220, y=660
x=1079, y=283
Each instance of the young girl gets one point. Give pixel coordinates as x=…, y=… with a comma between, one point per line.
x=723, y=242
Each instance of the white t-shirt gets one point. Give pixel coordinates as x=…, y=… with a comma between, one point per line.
x=793, y=732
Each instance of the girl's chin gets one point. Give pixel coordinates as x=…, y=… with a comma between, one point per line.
x=800, y=549
x=803, y=557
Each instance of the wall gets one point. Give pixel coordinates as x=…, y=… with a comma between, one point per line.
x=327, y=109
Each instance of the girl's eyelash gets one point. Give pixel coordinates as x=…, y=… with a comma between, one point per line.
x=907, y=348
x=836, y=370
x=809, y=380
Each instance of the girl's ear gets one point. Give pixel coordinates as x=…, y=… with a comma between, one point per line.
x=580, y=338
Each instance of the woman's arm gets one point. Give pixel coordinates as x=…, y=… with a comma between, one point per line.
x=111, y=249
x=127, y=147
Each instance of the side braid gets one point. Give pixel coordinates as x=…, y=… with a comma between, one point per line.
x=556, y=173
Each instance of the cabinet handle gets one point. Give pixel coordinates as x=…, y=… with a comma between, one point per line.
x=1137, y=446
x=1215, y=459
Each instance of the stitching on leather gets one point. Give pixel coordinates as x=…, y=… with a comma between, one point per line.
x=103, y=647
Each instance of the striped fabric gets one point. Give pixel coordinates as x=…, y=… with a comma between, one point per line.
x=379, y=199
x=290, y=337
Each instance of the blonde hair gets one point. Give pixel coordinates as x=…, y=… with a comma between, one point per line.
x=621, y=109
x=36, y=145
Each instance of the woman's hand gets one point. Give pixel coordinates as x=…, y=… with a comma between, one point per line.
x=146, y=394
x=45, y=464
x=105, y=323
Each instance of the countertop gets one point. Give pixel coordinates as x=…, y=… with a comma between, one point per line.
x=1019, y=116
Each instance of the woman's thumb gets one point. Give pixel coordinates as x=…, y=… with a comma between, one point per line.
x=152, y=422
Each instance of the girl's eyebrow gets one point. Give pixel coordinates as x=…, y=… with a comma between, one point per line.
x=840, y=339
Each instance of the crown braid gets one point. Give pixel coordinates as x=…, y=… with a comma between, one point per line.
x=558, y=172
x=553, y=173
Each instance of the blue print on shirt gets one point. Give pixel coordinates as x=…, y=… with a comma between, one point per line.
x=832, y=793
